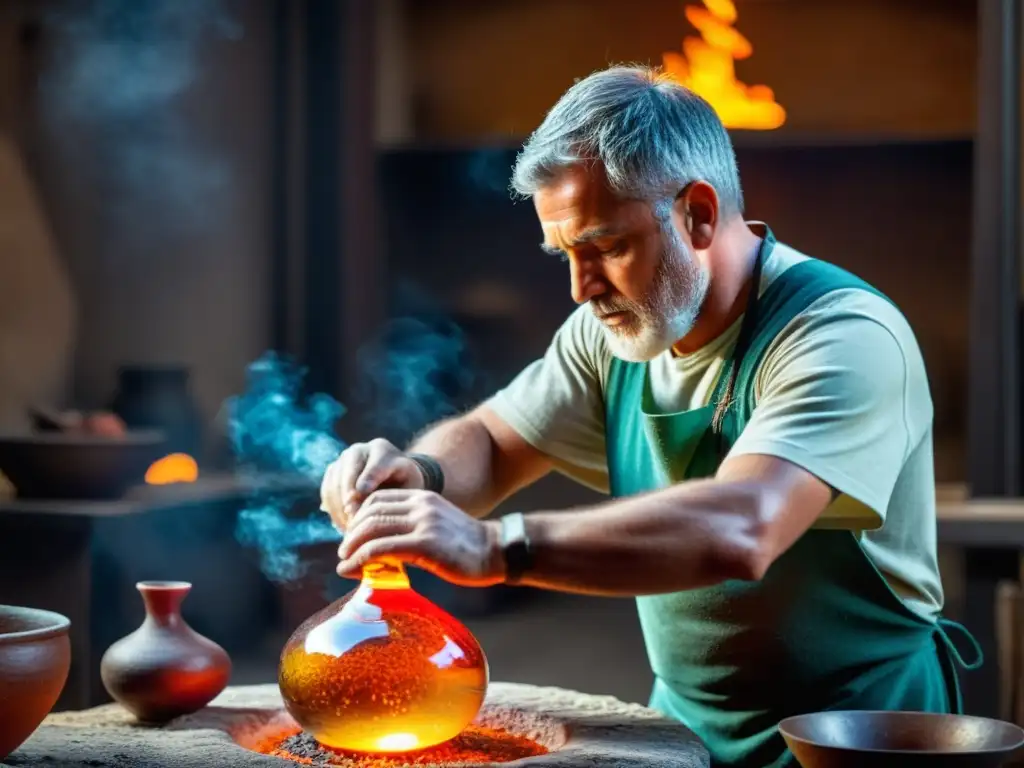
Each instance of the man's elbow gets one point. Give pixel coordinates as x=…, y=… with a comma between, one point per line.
x=745, y=547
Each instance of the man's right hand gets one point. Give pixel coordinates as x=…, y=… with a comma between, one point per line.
x=360, y=470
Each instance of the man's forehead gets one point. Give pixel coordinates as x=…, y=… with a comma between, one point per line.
x=574, y=231
x=576, y=190
x=578, y=206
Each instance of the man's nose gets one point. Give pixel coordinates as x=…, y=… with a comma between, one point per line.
x=586, y=281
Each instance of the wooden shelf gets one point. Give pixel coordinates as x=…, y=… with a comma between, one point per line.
x=741, y=140
x=979, y=522
x=801, y=140
x=207, y=489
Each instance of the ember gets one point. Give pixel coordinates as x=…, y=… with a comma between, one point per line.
x=474, y=745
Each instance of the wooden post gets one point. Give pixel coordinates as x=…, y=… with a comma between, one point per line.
x=994, y=463
x=329, y=292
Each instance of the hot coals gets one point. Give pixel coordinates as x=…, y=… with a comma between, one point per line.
x=475, y=745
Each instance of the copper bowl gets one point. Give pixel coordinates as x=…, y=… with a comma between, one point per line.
x=899, y=740
x=55, y=465
x=35, y=656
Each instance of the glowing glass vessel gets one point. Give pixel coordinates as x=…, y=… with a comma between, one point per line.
x=383, y=669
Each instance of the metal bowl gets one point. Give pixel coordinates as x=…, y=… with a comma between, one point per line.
x=899, y=740
x=35, y=656
x=55, y=465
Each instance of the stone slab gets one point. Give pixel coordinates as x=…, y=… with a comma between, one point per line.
x=583, y=731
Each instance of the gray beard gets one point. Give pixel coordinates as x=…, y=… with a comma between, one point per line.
x=668, y=313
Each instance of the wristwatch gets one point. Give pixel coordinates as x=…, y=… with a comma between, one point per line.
x=515, y=546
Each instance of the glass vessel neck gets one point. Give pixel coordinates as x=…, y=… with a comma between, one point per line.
x=385, y=574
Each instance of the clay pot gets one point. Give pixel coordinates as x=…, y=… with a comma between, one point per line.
x=59, y=465
x=164, y=669
x=35, y=656
x=159, y=397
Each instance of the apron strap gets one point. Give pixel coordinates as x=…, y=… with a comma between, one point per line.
x=746, y=336
x=945, y=627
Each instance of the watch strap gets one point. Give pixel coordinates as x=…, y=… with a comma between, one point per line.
x=515, y=546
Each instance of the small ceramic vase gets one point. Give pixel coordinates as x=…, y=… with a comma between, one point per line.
x=164, y=669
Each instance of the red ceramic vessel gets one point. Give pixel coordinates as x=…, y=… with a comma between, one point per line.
x=164, y=669
x=35, y=656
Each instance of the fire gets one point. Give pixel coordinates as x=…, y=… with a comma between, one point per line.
x=707, y=66
x=175, y=468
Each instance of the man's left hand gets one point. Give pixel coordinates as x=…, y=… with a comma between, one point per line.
x=423, y=529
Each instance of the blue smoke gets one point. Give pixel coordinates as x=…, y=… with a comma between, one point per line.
x=117, y=79
x=274, y=427
x=414, y=373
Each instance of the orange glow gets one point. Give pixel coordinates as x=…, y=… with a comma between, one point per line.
x=176, y=468
x=383, y=670
x=707, y=66
x=474, y=746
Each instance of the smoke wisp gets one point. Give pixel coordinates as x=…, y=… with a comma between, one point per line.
x=274, y=427
x=117, y=80
x=414, y=373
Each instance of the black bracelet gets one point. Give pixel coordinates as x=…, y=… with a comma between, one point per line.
x=433, y=475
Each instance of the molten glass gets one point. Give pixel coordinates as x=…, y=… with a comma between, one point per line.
x=383, y=669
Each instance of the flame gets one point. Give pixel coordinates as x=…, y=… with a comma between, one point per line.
x=707, y=66
x=175, y=468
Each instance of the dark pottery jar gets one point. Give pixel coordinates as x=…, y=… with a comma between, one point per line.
x=158, y=397
x=164, y=669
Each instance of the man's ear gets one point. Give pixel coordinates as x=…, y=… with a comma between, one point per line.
x=697, y=207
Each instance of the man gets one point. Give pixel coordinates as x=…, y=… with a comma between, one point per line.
x=761, y=419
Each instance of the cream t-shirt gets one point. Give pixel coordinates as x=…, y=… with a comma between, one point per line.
x=841, y=392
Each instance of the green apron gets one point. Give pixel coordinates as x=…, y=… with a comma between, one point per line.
x=822, y=630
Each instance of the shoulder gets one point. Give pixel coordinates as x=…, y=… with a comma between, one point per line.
x=860, y=344
x=841, y=313
x=852, y=304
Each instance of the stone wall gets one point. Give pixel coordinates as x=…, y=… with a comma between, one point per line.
x=165, y=270
x=37, y=320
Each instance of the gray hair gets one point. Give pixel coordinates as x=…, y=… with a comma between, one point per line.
x=652, y=136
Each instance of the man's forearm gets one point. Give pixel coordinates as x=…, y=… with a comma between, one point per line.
x=464, y=449
x=691, y=535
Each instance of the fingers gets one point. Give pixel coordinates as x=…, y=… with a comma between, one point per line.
x=330, y=497
x=349, y=472
x=374, y=521
x=386, y=524
x=423, y=529
x=385, y=496
x=381, y=463
x=336, y=486
x=409, y=548
x=354, y=475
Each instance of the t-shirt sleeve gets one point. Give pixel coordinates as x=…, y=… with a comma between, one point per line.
x=843, y=393
x=556, y=404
